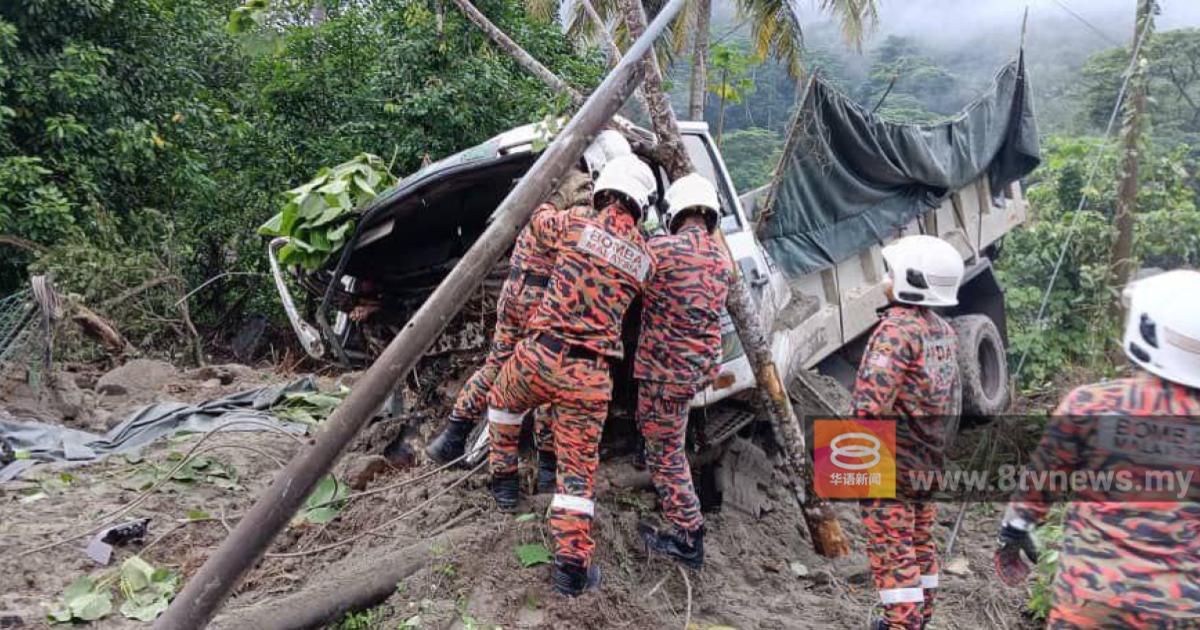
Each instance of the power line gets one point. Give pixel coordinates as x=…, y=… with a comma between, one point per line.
x=1062, y=254
x=1095, y=29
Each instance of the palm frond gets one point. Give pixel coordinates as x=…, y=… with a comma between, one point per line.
x=856, y=16
x=683, y=26
x=775, y=31
x=579, y=27
x=542, y=10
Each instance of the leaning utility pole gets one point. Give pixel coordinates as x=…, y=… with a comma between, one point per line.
x=826, y=533
x=1121, y=260
x=244, y=547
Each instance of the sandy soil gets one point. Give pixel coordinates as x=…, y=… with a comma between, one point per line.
x=760, y=570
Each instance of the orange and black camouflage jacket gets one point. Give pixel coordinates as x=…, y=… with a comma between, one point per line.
x=531, y=255
x=680, y=339
x=601, y=265
x=1126, y=554
x=909, y=371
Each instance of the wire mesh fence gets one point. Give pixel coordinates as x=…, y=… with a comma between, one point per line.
x=22, y=344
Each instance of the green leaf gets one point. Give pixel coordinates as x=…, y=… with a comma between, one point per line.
x=82, y=601
x=329, y=215
x=334, y=187
x=532, y=554
x=525, y=518
x=144, y=608
x=135, y=574
x=328, y=490
x=273, y=226
x=321, y=515
x=339, y=233
x=92, y=606
x=80, y=587
x=197, y=515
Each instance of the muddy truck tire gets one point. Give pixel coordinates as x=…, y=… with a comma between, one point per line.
x=982, y=366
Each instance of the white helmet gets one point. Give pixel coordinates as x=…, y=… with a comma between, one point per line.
x=629, y=176
x=1162, y=328
x=608, y=145
x=692, y=191
x=925, y=270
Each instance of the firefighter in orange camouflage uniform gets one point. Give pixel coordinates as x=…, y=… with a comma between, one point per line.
x=678, y=354
x=909, y=372
x=530, y=264
x=602, y=264
x=1129, y=559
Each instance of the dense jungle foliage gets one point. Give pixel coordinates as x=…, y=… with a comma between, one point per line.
x=143, y=141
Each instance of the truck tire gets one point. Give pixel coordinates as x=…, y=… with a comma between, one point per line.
x=982, y=366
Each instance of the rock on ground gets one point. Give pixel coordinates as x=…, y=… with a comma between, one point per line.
x=138, y=377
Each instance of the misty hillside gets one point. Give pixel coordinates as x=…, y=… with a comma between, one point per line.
x=942, y=53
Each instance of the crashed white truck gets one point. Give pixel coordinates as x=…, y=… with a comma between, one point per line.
x=808, y=244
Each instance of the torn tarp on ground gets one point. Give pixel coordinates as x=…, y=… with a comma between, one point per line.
x=55, y=443
x=850, y=180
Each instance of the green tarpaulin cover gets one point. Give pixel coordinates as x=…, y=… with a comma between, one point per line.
x=849, y=179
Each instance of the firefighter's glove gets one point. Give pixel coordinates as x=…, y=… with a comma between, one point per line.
x=575, y=189
x=1012, y=543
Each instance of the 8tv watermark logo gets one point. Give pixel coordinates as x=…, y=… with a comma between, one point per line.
x=854, y=459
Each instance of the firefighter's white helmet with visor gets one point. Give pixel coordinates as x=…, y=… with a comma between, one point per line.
x=1162, y=326
x=925, y=270
x=608, y=145
x=692, y=192
x=629, y=177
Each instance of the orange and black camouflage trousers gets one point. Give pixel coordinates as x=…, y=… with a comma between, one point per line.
x=1071, y=613
x=903, y=559
x=662, y=415
x=513, y=310
x=578, y=391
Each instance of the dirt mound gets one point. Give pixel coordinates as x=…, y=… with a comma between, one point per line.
x=760, y=570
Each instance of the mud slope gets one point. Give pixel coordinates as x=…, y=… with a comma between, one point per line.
x=760, y=573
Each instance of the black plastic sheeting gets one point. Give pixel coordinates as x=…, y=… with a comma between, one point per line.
x=849, y=179
x=244, y=411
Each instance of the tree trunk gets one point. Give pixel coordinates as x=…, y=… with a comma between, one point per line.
x=721, y=112
x=1121, y=259
x=828, y=539
x=700, y=61
x=514, y=49
x=342, y=588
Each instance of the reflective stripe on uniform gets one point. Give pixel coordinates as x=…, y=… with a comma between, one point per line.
x=901, y=595
x=500, y=416
x=569, y=503
x=929, y=581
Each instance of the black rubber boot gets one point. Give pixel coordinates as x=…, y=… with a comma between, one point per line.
x=451, y=443
x=684, y=547
x=547, y=472
x=7, y=453
x=506, y=489
x=573, y=579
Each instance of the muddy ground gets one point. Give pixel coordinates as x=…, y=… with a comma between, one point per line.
x=760, y=570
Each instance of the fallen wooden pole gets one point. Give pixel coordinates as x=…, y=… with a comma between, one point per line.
x=211, y=585
x=359, y=586
x=825, y=531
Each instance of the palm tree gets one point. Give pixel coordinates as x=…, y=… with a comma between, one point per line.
x=774, y=29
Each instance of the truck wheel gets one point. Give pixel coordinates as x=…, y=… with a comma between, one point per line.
x=982, y=365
